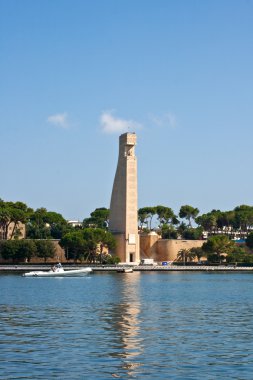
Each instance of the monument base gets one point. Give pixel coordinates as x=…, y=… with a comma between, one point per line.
x=126, y=250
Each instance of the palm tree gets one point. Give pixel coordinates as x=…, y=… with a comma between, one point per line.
x=182, y=255
x=197, y=252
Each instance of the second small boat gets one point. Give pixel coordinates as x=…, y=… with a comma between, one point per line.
x=125, y=270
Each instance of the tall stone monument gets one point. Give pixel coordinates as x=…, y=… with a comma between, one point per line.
x=123, y=219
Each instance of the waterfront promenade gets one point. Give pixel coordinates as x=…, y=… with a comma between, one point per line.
x=138, y=268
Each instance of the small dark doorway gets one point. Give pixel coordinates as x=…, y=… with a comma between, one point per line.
x=131, y=257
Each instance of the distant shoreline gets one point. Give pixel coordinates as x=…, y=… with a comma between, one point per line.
x=139, y=268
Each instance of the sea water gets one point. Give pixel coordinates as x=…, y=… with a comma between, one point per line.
x=134, y=326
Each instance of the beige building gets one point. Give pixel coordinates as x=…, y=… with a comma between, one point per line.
x=123, y=208
x=152, y=246
x=15, y=231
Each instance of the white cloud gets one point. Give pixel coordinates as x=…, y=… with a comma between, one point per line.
x=59, y=120
x=112, y=124
x=171, y=119
x=166, y=120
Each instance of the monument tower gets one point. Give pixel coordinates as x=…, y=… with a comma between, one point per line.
x=123, y=219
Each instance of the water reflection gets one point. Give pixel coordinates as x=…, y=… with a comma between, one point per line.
x=123, y=319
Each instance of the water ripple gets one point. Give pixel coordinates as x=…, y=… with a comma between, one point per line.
x=152, y=326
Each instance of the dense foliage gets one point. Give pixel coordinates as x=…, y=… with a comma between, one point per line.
x=218, y=245
x=235, y=223
x=17, y=251
x=43, y=224
x=98, y=219
x=217, y=250
x=84, y=244
x=249, y=240
x=12, y=212
x=40, y=223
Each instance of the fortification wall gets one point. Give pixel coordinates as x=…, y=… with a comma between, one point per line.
x=151, y=246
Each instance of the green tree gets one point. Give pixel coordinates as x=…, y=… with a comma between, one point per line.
x=4, y=219
x=45, y=249
x=169, y=232
x=58, y=225
x=243, y=217
x=26, y=250
x=207, y=221
x=143, y=217
x=218, y=245
x=249, y=241
x=37, y=227
x=181, y=229
x=95, y=238
x=74, y=244
x=9, y=249
x=185, y=255
x=198, y=252
x=146, y=215
x=17, y=250
x=165, y=215
x=12, y=212
x=45, y=224
x=189, y=213
x=85, y=244
x=19, y=212
x=225, y=220
x=238, y=255
x=98, y=219
x=192, y=233
x=111, y=260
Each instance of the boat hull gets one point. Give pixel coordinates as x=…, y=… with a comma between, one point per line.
x=67, y=273
x=125, y=270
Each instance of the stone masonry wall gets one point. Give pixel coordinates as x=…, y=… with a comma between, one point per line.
x=151, y=246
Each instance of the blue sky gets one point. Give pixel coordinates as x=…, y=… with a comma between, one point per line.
x=76, y=74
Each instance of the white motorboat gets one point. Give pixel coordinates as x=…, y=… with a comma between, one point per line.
x=58, y=271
